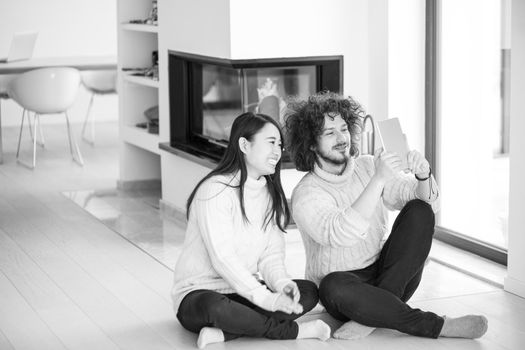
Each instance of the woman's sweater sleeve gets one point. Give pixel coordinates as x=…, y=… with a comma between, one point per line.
x=317, y=214
x=214, y=209
x=271, y=263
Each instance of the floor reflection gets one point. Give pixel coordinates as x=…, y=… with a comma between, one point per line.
x=135, y=216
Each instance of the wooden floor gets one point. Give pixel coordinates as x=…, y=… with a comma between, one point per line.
x=72, y=278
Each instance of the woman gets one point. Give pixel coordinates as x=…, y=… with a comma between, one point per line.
x=236, y=219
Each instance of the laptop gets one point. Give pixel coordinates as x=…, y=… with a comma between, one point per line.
x=21, y=48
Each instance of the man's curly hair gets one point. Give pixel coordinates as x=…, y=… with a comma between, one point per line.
x=305, y=122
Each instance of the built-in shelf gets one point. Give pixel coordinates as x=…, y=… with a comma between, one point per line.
x=140, y=153
x=141, y=80
x=141, y=138
x=148, y=28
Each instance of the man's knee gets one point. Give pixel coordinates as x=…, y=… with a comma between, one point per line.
x=420, y=210
x=309, y=294
x=340, y=291
x=332, y=287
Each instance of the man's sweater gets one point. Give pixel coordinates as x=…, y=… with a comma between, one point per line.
x=337, y=237
x=222, y=252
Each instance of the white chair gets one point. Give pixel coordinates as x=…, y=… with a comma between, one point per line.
x=4, y=82
x=3, y=95
x=100, y=82
x=46, y=91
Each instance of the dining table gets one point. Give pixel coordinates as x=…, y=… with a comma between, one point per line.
x=79, y=62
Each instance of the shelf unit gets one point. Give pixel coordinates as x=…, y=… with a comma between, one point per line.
x=140, y=27
x=141, y=80
x=139, y=150
x=141, y=138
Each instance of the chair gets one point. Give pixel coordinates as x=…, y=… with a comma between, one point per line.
x=101, y=82
x=46, y=91
x=3, y=95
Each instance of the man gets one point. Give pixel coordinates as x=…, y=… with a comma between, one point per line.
x=340, y=207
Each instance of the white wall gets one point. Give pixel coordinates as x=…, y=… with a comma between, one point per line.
x=275, y=28
x=201, y=27
x=66, y=28
x=197, y=26
x=406, y=69
x=377, y=40
x=515, y=281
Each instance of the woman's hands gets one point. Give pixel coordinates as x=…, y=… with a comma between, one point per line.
x=288, y=300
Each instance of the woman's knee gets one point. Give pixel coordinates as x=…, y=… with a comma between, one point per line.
x=200, y=309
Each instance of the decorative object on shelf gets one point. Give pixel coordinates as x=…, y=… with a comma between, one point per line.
x=152, y=18
x=153, y=126
x=154, y=70
x=152, y=114
x=147, y=72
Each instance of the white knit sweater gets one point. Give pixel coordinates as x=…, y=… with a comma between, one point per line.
x=222, y=252
x=336, y=237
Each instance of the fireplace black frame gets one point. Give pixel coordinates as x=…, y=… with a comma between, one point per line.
x=329, y=76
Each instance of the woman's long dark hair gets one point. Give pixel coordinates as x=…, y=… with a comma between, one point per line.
x=247, y=125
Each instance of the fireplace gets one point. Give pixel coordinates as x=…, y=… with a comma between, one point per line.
x=207, y=93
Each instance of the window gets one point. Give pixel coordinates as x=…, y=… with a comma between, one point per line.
x=468, y=52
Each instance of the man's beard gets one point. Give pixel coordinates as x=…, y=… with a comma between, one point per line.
x=328, y=158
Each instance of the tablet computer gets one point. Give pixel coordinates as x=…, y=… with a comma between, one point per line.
x=393, y=139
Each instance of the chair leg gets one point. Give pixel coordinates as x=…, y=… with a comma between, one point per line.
x=29, y=125
x=42, y=141
x=72, y=142
x=1, y=140
x=92, y=126
x=20, y=134
x=35, y=122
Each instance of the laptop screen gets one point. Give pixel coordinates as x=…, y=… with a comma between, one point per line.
x=22, y=46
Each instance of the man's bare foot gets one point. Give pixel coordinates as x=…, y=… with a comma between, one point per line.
x=352, y=330
x=469, y=326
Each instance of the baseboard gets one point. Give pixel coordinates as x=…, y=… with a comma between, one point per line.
x=128, y=185
x=468, y=263
x=168, y=210
x=514, y=286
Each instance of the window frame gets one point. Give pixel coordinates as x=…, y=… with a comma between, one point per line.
x=456, y=239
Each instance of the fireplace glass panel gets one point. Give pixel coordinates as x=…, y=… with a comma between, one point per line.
x=208, y=93
x=228, y=92
x=266, y=89
x=221, y=101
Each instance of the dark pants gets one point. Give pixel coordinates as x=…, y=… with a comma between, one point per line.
x=376, y=295
x=237, y=316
